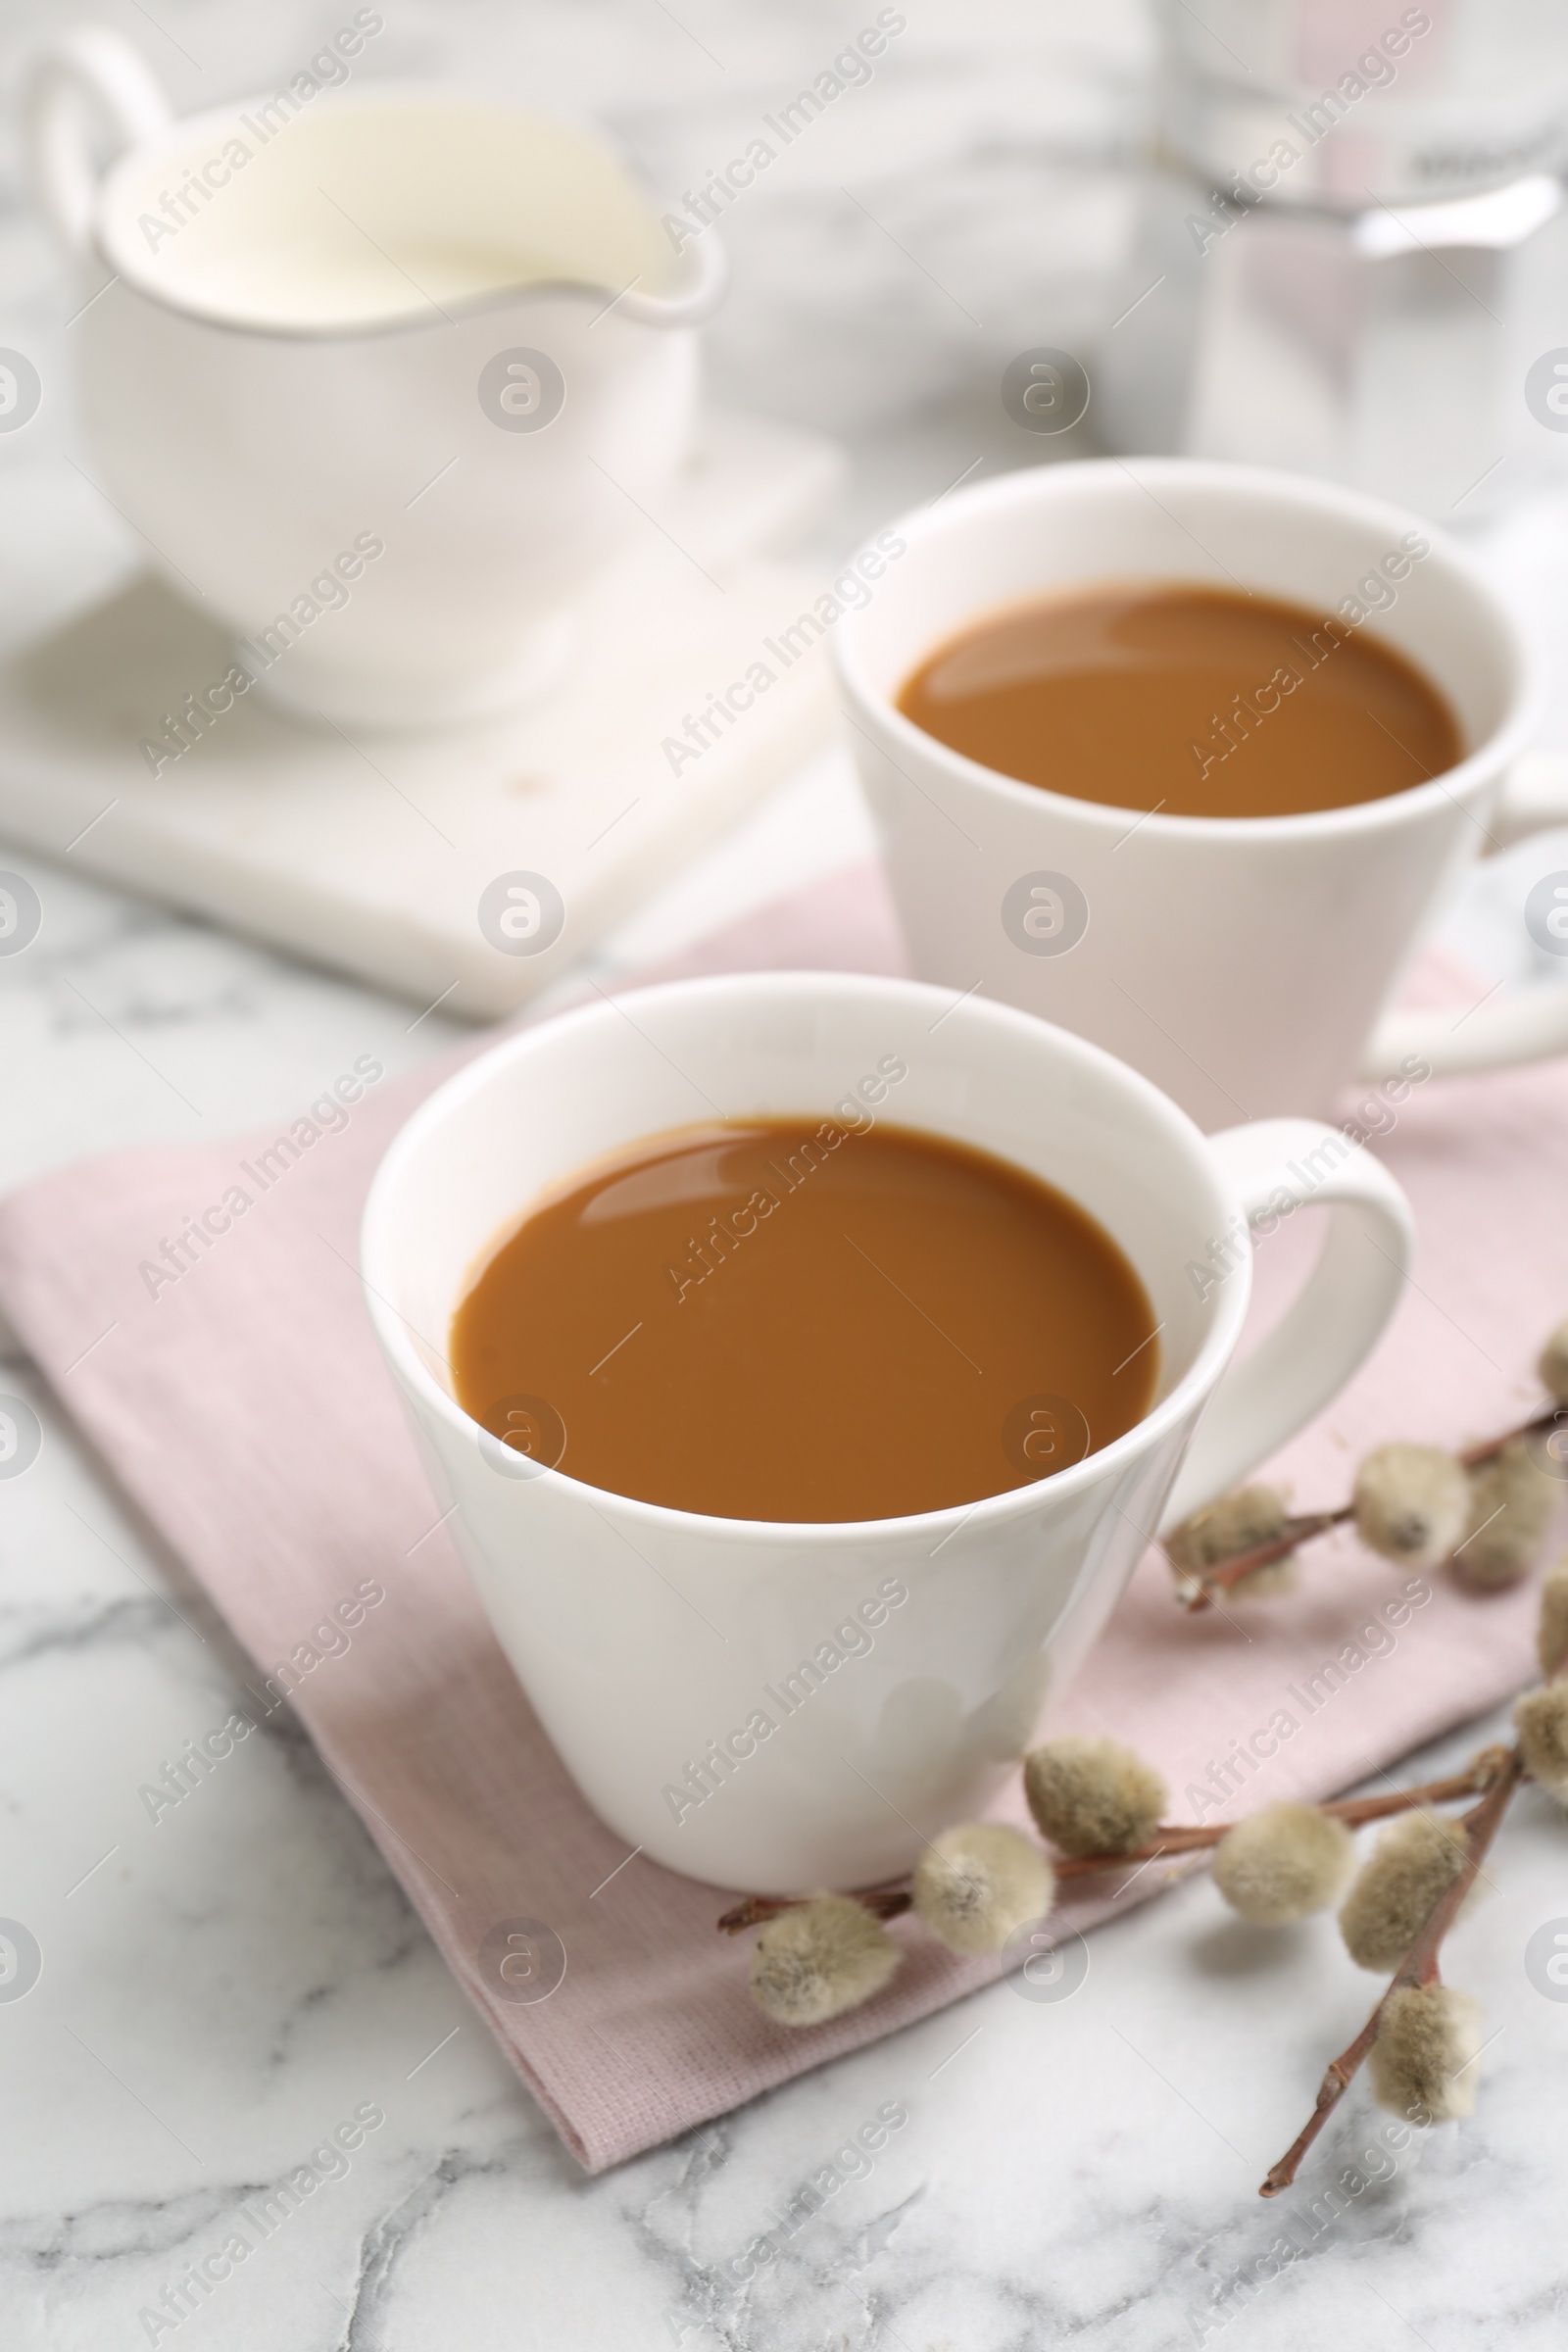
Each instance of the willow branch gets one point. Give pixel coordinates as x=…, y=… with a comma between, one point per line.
x=1198, y=1591
x=1195, y=1592
x=1418, y=1966
x=1184, y=1838
x=891, y=1899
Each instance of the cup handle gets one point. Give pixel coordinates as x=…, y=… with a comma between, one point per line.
x=89, y=79
x=1528, y=1024
x=1336, y=1321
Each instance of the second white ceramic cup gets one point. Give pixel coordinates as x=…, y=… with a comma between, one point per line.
x=781, y=1706
x=1246, y=964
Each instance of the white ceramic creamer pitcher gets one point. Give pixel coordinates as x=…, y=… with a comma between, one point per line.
x=382, y=379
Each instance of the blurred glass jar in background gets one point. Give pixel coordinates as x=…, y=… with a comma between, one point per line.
x=1352, y=252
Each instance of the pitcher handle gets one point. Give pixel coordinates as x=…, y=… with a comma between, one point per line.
x=92, y=78
x=1332, y=1326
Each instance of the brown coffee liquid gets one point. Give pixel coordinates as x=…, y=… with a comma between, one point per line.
x=801, y=1320
x=1193, y=701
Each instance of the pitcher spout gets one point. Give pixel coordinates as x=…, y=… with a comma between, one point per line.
x=693, y=293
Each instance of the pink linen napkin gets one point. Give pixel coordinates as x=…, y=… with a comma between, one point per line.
x=240, y=1401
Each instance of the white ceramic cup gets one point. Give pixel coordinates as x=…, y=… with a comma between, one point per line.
x=385, y=315
x=650, y=1641
x=1244, y=964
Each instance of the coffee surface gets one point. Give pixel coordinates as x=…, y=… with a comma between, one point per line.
x=1195, y=701
x=805, y=1320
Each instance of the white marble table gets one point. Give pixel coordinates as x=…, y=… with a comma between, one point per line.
x=220, y=1993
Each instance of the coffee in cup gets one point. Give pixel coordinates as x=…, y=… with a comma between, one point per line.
x=806, y=1319
x=1155, y=695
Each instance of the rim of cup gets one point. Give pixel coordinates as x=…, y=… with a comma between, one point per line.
x=924, y=528
x=699, y=271
x=381, y=1246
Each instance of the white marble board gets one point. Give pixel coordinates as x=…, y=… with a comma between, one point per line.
x=370, y=851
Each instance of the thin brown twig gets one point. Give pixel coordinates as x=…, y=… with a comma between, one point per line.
x=1472, y=1456
x=883, y=1902
x=1195, y=1592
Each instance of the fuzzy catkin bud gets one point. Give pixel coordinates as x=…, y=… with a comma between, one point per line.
x=1271, y=1579
x=1093, y=1797
x=1221, y=1530
x=1511, y=1506
x=1541, y=1719
x=1412, y=1504
x=1281, y=1863
x=815, y=1962
x=1422, y=2064
x=1414, y=1861
x=1551, y=1628
x=1551, y=1365
x=975, y=1883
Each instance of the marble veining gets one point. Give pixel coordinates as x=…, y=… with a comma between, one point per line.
x=223, y=1984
